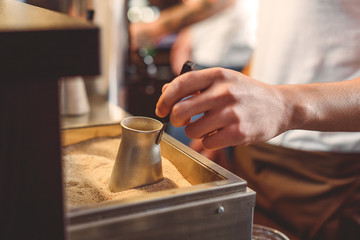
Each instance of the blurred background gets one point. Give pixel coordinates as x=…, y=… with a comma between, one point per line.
x=130, y=79
x=143, y=46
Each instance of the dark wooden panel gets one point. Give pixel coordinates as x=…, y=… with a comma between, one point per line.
x=36, y=47
x=48, y=54
x=30, y=166
x=43, y=43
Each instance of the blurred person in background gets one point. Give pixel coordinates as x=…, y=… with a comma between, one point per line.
x=173, y=19
x=225, y=39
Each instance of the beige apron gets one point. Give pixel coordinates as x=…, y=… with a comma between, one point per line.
x=313, y=195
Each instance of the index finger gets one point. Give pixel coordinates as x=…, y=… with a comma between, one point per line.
x=181, y=87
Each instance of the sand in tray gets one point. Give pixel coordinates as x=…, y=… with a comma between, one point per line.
x=87, y=170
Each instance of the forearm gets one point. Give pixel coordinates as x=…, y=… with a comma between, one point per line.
x=182, y=15
x=324, y=106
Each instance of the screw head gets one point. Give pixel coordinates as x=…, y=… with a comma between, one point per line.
x=220, y=209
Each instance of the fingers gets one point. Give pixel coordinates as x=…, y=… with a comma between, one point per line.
x=181, y=87
x=167, y=84
x=185, y=109
x=225, y=137
x=208, y=123
x=217, y=98
x=210, y=154
x=196, y=145
x=164, y=87
x=219, y=126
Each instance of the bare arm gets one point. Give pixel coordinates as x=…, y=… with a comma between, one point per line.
x=331, y=106
x=239, y=110
x=173, y=19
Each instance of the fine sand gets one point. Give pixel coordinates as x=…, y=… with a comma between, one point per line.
x=87, y=170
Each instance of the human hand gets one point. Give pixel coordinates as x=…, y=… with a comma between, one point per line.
x=180, y=51
x=142, y=35
x=238, y=110
x=219, y=156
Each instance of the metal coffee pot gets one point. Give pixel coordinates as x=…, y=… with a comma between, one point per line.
x=138, y=161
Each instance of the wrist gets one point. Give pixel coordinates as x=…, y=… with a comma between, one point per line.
x=297, y=107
